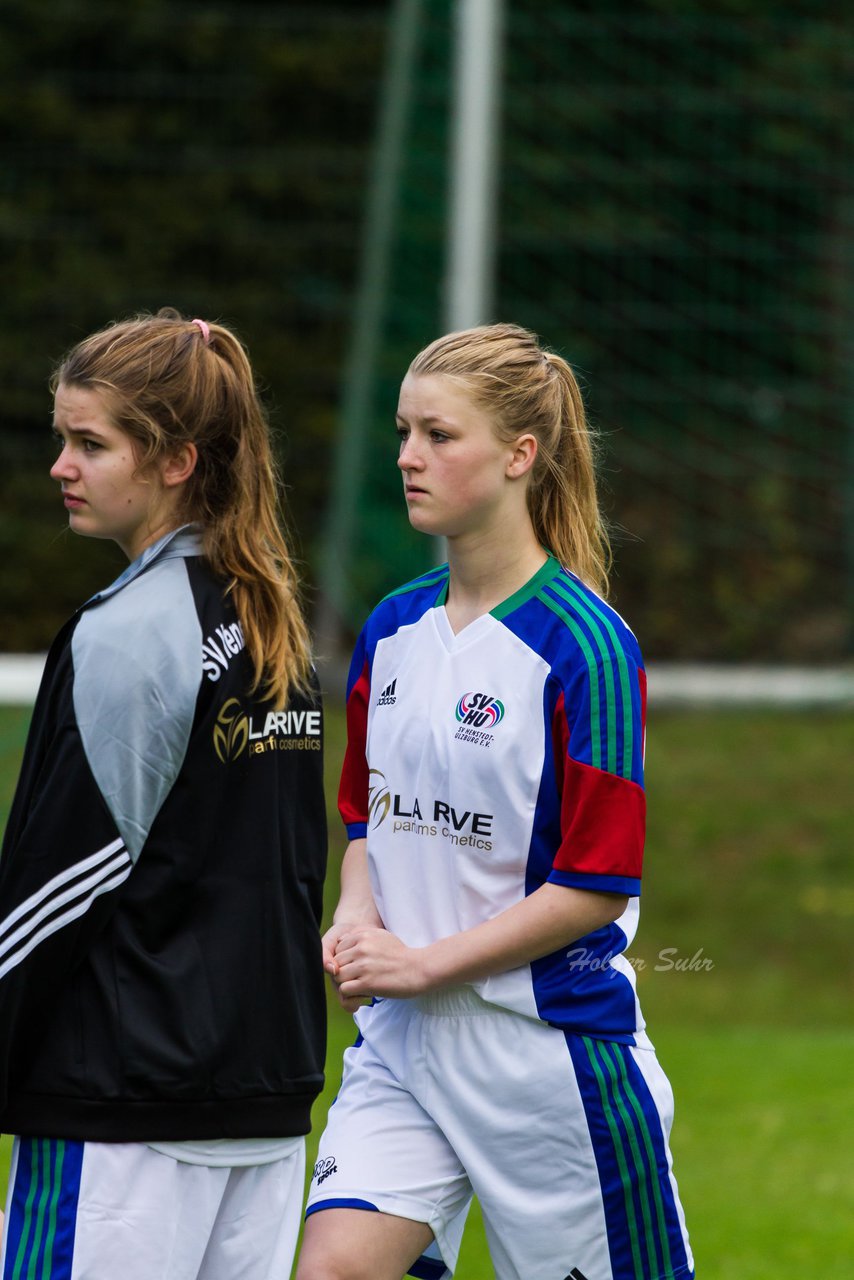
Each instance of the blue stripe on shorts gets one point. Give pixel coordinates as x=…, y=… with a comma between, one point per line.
x=340, y=1203
x=428, y=1269
x=644, y=1234
x=43, y=1210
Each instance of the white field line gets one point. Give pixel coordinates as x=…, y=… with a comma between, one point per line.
x=689, y=684
x=20, y=674
x=671, y=684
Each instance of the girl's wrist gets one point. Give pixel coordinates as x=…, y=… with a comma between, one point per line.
x=356, y=912
x=431, y=975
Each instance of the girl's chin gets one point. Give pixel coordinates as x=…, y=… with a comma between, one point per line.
x=421, y=521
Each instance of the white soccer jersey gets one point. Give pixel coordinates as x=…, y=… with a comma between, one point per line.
x=483, y=764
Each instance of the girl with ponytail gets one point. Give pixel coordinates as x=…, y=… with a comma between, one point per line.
x=170, y=385
x=161, y=986
x=493, y=794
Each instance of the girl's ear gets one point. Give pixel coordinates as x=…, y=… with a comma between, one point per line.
x=523, y=456
x=180, y=465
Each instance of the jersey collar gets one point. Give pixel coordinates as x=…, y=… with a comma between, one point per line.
x=181, y=542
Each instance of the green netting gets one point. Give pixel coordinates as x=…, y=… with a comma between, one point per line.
x=676, y=217
x=210, y=155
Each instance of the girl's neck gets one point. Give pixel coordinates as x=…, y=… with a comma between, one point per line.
x=485, y=572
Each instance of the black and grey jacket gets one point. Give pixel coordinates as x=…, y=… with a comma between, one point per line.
x=160, y=879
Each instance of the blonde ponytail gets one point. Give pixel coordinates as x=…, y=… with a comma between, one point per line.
x=562, y=498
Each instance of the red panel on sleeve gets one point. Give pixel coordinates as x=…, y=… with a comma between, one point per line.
x=560, y=740
x=602, y=819
x=353, y=791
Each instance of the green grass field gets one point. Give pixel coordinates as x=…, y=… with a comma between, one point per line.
x=746, y=973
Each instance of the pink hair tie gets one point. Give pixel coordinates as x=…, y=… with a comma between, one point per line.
x=204, y=329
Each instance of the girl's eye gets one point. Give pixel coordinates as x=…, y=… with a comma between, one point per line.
x=438, y=437
x=402, y=433
x=80, y=442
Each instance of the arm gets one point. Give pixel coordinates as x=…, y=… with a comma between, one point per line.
x=371, y=962
x=102, y=756
x=356, y=907
x=62, y=867
x=356, y=910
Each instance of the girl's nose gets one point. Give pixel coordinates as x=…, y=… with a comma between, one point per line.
x=63, y=468
x=408, y=456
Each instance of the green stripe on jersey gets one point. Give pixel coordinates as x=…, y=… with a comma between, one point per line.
x=438, y=577
x=593, y=671
x=530, y=589
x=590, y=611
x=607, y=670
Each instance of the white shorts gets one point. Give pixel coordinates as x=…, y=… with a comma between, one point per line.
x=121, y=1211
x=563, y=1138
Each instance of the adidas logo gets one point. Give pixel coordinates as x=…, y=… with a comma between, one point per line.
x=388, y=696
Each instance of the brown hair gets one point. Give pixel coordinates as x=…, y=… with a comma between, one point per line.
x=527, y=389
x=167, y=381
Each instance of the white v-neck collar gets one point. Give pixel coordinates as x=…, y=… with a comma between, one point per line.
x=453, y=640
x=456, y=640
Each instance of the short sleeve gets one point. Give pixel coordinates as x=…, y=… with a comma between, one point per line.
x=354, y=787
x=598, y=733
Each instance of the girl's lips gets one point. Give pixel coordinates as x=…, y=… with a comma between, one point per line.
x=71, y=500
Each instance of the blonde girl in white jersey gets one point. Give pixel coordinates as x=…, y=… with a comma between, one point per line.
x=493, y=793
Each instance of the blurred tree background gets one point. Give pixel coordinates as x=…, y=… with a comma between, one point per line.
x=206, y=156
x=676, y=217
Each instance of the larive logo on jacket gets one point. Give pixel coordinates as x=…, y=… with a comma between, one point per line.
x=292, y=730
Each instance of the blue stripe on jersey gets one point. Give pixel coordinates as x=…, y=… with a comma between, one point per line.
x=43, y=1210
x=644, y=1233
x=629, y=885
x=576, y=988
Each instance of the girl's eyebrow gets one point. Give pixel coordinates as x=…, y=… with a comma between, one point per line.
x=75, y=431
x=428, y=417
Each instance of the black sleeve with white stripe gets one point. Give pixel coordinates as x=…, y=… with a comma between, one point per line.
x=64, y=898
x=62, y=866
